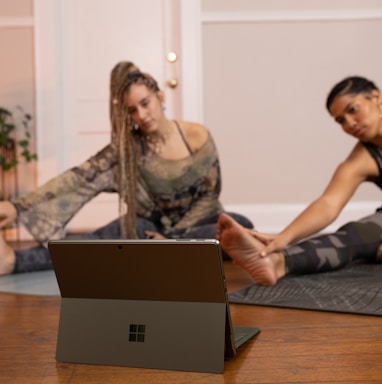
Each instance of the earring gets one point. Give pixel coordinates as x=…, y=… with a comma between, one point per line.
x=163, y=108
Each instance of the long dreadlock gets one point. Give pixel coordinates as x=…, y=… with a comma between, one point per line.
x=123, y=75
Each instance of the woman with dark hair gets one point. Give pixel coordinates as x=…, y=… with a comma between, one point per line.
x=166, y=172
x=355, y=103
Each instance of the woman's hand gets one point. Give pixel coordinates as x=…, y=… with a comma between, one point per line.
x=272, y=242
x=8, y=213
x=265, y=238
x=154, y=235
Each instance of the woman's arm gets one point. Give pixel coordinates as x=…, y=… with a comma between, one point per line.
x=358, y=167
x=45, y=211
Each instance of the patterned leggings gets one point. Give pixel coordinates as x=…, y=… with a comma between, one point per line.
x=38, y=258
x=358, y=240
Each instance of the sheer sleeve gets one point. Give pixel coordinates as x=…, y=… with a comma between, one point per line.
x=46, y=211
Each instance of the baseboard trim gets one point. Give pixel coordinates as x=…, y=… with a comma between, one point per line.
x=268, y=218
x=272, y=218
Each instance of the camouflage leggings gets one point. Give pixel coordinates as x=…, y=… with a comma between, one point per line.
x=353, y=241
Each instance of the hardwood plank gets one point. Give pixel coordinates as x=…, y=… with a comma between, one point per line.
x=294, y=346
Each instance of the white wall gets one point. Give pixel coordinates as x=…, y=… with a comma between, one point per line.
x=267, y=68
x=257, y=73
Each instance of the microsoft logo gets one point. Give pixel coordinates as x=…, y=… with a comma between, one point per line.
x=137, y=333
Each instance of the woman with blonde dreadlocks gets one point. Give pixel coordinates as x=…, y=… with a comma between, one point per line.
x=166, y=173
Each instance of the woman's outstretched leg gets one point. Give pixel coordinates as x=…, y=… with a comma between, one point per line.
x=244, y=251
x=7, y=257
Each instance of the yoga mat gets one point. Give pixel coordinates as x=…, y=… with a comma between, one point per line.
x=32, y=283
x=355, y=289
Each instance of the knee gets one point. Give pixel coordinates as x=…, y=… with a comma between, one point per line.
x=367, y=231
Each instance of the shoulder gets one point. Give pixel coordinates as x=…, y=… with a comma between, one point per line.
x=195, y=134
x=359, y=153
x=360, y=162
x=358, y=167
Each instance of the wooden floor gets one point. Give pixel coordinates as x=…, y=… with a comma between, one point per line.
x=294, y=346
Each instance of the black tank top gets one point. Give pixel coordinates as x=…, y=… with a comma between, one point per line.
x=377, y=156
x=182, y=136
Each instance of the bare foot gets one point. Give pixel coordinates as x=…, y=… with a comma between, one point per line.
x=7, y=257
x=244, y=250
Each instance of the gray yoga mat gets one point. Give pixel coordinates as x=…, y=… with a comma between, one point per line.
x=31, y=283
x=355, y=289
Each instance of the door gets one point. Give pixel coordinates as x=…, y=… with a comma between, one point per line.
x=77, y=44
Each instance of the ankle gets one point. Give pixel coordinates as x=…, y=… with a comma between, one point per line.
x=279, y=263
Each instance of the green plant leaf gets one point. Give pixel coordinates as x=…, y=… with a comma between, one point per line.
x=7, y=142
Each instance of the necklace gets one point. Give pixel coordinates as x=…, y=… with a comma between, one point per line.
x=156, y=141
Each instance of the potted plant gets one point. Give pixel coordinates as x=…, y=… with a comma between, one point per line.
x=9, y=156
